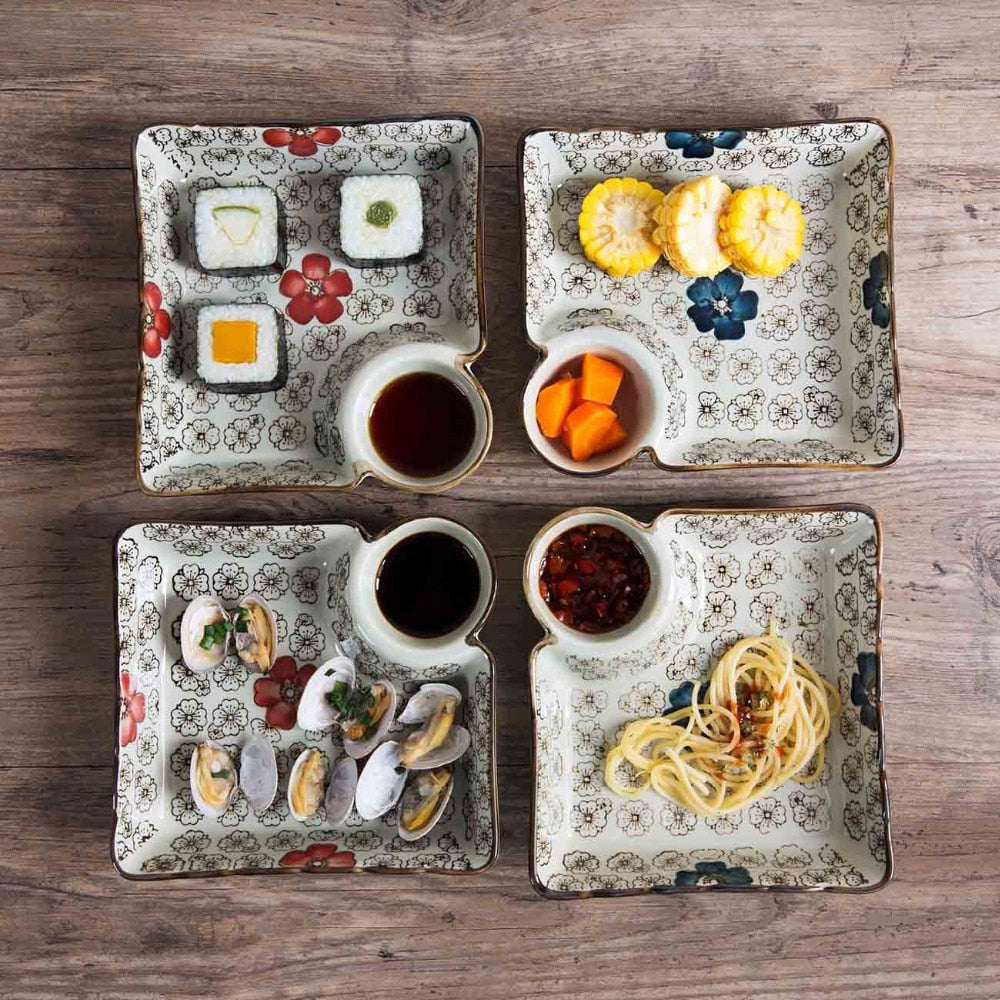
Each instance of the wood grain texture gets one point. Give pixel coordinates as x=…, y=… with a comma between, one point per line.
x=77, y=79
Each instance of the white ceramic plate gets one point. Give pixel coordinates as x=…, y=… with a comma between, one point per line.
x=812, y=378
x=319, y=578
x=311, y=434
x=716, y=575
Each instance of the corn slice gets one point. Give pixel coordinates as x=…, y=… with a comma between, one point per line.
x=688, y=230
x=616, y=224
x=762, y=229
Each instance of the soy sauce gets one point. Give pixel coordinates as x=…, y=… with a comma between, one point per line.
x=428, y=585
x=422, y=425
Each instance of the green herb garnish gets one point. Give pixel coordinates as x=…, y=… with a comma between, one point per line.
x=352, y=704
x=224, y=775
x=380, y=214
x=400, y=769
x=214, y=633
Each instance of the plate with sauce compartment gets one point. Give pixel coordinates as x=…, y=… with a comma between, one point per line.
x=289, y=277
x=737, y=362
x=400, y=612
x=637, y=615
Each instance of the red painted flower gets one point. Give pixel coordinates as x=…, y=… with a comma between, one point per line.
x=155, y=321
x=318, y=857
x=280, y=690
x=301, y=141
x=315, y=291
x=133, y=710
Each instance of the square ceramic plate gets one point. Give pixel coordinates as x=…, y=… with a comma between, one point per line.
x=717, y=575
x=811, y=379
x=310, y=434
x=319, y=579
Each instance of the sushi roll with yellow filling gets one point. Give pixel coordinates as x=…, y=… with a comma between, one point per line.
x=241, y=348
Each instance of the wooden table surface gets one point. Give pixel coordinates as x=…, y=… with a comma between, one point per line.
x=76, y=79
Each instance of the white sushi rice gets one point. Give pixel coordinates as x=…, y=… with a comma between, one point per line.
x=216, y=250
x=402, y=237
x=261, y=371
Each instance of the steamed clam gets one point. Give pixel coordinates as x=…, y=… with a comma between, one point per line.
x=438, y=740
x=204, y=635
x=258, y=772
x=256, y=633
x=307, y=784
x=341, y=790
x=424, y=801
x=207, y=630
x=381, y=782
x=335, y=697
x=213, y=778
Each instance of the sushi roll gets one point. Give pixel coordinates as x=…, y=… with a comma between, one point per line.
x=381, y=219
x=237, y=230
x=241, y=348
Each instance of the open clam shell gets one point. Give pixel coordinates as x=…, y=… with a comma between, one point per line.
x=213, y=778
x=315, y=711
x=420, y=792
x=381, y=782
x=421, y=706
x=361, y=748
x=307, y=784
x=340, y=792
x=454, y=746
x=258, y=646
x=258, y=772
x=202, y=611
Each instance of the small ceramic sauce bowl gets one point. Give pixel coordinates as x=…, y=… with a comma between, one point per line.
x=367, y=383
x=394, y=644
x=656, y=609
x=643, y=397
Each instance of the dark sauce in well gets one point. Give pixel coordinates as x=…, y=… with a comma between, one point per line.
x=422, y=424
x=428, y=585
x=594, y=579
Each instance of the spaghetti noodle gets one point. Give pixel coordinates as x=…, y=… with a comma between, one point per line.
x=761, y=719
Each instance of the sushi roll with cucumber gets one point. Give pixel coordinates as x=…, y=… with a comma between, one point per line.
x=241, y=348
x=237, y=230
x=381, y=219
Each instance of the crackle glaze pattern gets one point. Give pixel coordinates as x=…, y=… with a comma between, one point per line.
x=816, y=573
x=811, y=378
x=165, y=710
x=192, y=439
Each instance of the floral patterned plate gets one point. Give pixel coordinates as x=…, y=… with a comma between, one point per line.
x=716, y=575
x=310, y=434
x=795, y=370
x=319, y=578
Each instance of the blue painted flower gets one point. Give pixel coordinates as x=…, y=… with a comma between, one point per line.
x=698, y=145
x=713, y=873
x=720, y=306
x=681, y=697
x=863, y=690
x=875, y=291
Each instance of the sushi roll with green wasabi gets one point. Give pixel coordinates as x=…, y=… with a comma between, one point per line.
x=241, y=348
x=237, y=230
x=381, y=219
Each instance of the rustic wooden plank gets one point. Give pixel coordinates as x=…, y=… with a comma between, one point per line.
x=87, y=74
x=916, y=939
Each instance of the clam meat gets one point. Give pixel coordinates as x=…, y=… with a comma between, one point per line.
x=307, y=785
x=213, y=778
x=424, y=801
x=255, y=630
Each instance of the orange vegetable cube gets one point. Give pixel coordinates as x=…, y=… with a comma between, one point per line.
x=600, y=379
x=585, y=428
x=554, y=403
x=615, y=436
